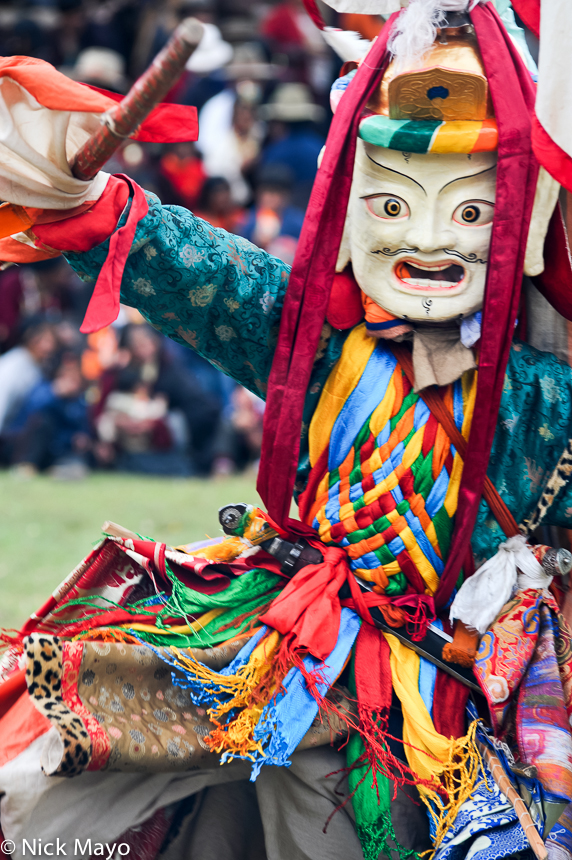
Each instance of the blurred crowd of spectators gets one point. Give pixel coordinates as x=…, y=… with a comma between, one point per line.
x=126, y=398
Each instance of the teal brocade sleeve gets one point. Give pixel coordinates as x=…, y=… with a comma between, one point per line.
x=533, y=428
x=202, y=287
x=223, y=296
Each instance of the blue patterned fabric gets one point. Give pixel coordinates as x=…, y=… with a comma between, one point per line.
x=486, y=828
x=203, y=287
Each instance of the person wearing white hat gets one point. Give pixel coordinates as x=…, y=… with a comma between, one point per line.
x=294, y=139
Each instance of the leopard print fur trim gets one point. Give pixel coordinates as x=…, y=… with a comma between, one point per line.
x=44, y=660
x=557, y=480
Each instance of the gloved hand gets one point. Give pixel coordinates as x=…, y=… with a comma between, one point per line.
x=44, y=119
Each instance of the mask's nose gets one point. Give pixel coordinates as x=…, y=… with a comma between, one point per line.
x=427, y=232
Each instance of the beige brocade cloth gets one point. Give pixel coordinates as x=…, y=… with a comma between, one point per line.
x=149, y=723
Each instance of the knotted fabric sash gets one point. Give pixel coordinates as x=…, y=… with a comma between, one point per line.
x=308, y=609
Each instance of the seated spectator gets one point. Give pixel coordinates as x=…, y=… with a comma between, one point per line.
x=55, y=291
x=100, y=354
x=101, y=67
x=21, y=370
x=11, y=306
x=217, y=207
x=212, y=381
x=133, y=432
x=182, y=167
x=162, y=422
x=246, y=420
x=52, y=429
x=289, y=30
x=293, y=141
x=240, y=438
x=203, y=77
x=230, y=150
x=272, y=223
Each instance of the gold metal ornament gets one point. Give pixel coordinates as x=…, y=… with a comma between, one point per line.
x=437, y=93
x=447, y=83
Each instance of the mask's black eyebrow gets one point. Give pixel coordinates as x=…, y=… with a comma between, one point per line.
x=391, y=170
x=470, y=176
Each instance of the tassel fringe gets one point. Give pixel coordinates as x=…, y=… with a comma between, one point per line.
x=458, y=779
x=248, y=690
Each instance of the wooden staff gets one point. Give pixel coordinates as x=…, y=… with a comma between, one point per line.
x=516, y=801
x=122, y=120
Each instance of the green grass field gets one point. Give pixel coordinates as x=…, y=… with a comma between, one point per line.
x=48, y=526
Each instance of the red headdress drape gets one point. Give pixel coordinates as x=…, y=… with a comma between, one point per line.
x=309, y=289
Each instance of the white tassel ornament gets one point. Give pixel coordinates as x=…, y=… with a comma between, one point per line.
x=481, y=598
x=416, y=29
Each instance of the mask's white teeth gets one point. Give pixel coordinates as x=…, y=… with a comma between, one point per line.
x=428, y=268
x=429, y=284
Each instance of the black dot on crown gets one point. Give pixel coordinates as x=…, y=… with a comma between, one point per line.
x=437, y=93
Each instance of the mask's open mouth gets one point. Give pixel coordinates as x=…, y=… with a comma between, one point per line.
x=441, y=276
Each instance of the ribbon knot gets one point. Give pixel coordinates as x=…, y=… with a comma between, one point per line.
x=308, y=609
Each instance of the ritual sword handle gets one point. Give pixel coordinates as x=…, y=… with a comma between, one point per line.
x=122, y=120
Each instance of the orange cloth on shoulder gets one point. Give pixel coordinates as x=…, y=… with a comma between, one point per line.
x=381, y=323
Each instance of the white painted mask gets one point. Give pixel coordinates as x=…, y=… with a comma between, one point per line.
x=419, y=229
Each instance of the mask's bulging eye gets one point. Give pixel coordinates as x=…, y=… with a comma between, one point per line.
x=392, y=207
x=387, y=207
x=474, y=213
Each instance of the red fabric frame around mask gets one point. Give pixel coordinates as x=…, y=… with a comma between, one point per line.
x=555, y=282
x=345, y=308
x=309, y=289
x=513, y=95
x=529, y=13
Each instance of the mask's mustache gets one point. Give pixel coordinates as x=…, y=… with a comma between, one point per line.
x=387, y=252
x=471, y=258
x=468, y=258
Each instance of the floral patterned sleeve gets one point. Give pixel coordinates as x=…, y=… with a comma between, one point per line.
x=203, y=287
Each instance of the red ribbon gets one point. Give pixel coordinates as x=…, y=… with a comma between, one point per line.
x=314, y=13
x=103, y=308
x=167, y=123
x=309, y=288
x=513, y=94
x=310, y=608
